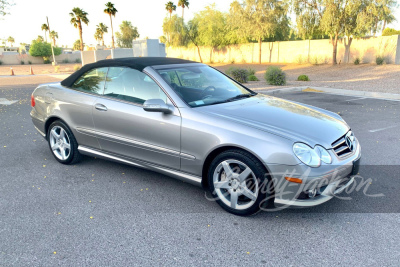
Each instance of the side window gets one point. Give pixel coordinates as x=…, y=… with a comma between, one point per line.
x=92, y=81
x=131, y=85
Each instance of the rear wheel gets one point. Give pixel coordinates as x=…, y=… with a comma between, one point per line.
x=63, y=144
x=235, y=178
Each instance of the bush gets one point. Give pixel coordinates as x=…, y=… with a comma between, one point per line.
x=300, y=60
x=240, y=75
x=303, y=78
x=275, y=76
x=78, y=60
x=46, y=60
x=389, y=32
x=229, y=71
x=29, y=62
x=1, y=62
x=379, y=60
x=251, y=72
x=66, y=61
x=22, y=62
x=357, y=61
x=252, y=78
x=57, y=69
x=42, y=49
x=77, y=67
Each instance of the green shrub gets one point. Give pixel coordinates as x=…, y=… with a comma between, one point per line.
x=389, y=32
x=46, y=60
x=229, y=71
x=66, y=60
x=240, y=75
x=275, y=76
x=379, y=60
x=303, y=78
x=22, y=62
x=357, y=61
x=233, y=61
x=29, y=62
x=1, y=62
x=252, y=78
x=251, y=71
x=78, y=60
x=77, y=67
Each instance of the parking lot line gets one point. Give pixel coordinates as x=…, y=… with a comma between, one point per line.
x=381, y=129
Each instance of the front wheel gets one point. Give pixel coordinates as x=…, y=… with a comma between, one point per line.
x=63, y=144
x=237, y=181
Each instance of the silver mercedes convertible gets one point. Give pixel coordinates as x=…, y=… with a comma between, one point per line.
x=190, y=121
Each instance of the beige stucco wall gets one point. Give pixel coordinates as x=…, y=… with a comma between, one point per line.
x=16, y=59
x=314, y=51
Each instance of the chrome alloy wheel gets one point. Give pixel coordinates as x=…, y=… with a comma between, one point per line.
x=235, y=184
x=59, y=143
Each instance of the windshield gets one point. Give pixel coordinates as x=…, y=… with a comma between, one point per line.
x=202, y=85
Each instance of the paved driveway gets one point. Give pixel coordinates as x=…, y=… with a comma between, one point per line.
x=103, y=213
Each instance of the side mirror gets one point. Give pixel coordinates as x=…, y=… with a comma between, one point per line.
x=156, y=105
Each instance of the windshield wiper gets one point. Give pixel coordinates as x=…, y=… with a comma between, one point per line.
x=239, y=97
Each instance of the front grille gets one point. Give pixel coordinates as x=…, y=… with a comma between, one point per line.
x=345, y=145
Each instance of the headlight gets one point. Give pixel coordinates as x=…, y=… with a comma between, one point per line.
x=306, y=154
x=323, y=154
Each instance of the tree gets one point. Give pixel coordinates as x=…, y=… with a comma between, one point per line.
x=77, y=45
x=174, y=30
x=192, y=31
x=111, y=11
x=40, y=38
x=258, y=19
x=11, y=40
x=170, y=7
x=212, y=28
x=53, y=35
x=127, y=34
x=101, y=29
x=41, y=49
x=45, y=28
x=77, y=17
x=335, y=18
x=183, y=4
x=4, y=5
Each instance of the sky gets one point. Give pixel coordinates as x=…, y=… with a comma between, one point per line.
x=27, y=16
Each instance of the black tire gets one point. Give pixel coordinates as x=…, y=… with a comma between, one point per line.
x=74, y=155
x=263, y=198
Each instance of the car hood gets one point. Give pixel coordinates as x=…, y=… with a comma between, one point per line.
x=295, y=121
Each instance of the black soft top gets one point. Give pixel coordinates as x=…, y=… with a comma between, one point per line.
x=138, y=63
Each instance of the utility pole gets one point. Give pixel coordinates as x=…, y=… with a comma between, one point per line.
x=52, y=49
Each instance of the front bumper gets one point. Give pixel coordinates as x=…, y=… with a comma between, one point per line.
x=326, y=183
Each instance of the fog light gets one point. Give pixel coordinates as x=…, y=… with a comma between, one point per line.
x=311, y=193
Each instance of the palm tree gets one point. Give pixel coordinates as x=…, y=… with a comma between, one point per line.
x=183, y=4
x=77, y=17
x=45, y=28
x=111, y=11
x=170, y=7
x=97, y=35
x=11, y=41
x=53, y=35
x=101, y=30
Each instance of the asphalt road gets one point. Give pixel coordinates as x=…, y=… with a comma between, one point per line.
x=100, y=213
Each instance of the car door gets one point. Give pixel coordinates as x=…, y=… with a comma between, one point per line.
x=77, y=103
x=124, y=128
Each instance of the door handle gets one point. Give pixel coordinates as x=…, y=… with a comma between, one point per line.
x=100, y=107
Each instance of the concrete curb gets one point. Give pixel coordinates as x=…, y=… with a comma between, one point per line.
x=335, y=91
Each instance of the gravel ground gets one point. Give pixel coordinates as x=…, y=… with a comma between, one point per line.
x=365, y=77
x=37, y=69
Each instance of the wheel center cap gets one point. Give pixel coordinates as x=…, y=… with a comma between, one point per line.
x=235, y=184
